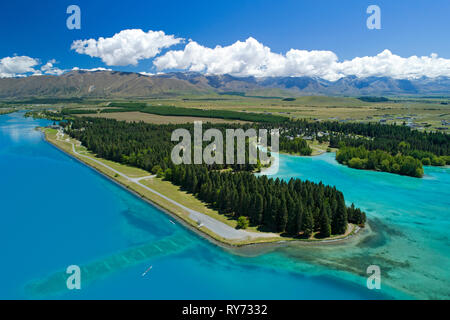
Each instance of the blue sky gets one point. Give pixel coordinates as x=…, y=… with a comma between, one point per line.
x=37, y=29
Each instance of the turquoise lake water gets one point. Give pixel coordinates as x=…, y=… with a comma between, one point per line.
x=57, y=212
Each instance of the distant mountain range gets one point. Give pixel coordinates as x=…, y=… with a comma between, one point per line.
x=299, y=86
x=114, y=84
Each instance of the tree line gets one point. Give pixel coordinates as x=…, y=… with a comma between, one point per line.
x=373, y=136
x=179, y=111
x=298, y=208
x=395, y=147
x=295, y=208
x=361, y=158
x=144, y=145
x=295, y=145
x=391, y=148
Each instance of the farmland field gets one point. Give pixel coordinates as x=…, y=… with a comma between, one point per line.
x=135, y=116
x=425, y=113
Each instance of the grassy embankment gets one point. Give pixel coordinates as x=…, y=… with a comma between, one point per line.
x=168, y=189
x=6, y=111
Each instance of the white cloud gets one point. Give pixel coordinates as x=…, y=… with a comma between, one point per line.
x=126, y=47
x=252, y=58
x=241, y=59
x=49, y=68
x=17, y=66
x=91, y=70
x=22, y=66
x=388, y=64
x=148, y=74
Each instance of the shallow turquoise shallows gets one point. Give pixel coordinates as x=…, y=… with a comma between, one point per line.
x=57, y=212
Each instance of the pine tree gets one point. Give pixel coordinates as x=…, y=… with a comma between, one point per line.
x=298, y=217
x=282, y=216
x=194, y=185
x=339, y=225
x=274, y=209
x=308, y=223
x=292, y=212
x=259, y=207
x=325, y=227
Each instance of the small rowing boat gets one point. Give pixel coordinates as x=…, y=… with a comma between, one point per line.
x=147, y=271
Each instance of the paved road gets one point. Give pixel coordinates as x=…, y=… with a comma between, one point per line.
x=218, y=227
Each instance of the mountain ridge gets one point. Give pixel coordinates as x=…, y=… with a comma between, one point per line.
x=115, y=84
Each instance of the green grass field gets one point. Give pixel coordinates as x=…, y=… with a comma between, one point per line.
x=427, y=113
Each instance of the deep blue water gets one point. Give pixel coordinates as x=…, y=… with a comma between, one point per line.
x=56, y=212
